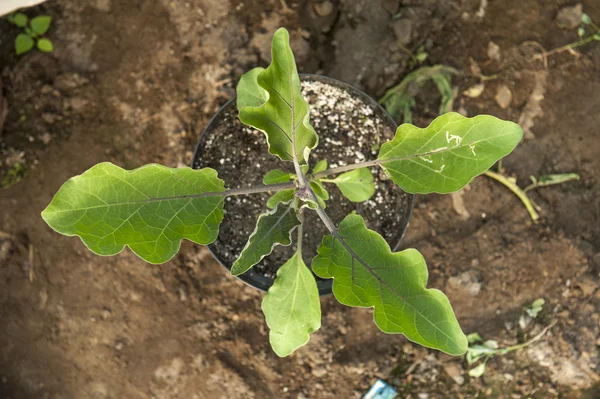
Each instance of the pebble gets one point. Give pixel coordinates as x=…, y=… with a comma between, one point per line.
x=503, y=96
x=455, y=371
x=475, y=90
x=493, y=51
x=323, y=9
x=466, y=281
x=403, y=30
x=569, y=17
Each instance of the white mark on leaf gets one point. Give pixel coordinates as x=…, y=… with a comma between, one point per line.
x=441, y=169
x=453, y=137
x=427, y=158
x=472, y=147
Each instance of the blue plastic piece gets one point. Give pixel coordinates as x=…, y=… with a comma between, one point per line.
x=381, y=390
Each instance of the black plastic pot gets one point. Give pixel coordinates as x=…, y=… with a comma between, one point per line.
x=403, y=208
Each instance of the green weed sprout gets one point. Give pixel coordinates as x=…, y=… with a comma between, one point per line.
x=33, y=32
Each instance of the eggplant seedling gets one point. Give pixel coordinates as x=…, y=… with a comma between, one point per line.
x=152, y=208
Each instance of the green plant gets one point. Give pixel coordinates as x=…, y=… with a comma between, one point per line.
x=400, y=99
x=152, y=208
x=586, y=27
x=13, y=175
x=33, y=32
x=480, y=350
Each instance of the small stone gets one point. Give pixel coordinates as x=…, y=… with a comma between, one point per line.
x=493, y=51
x=69, y=81
x=319, y=372
x=77, y=104
x=569, y=17
x=323, y=9
x=46, y=138
x=455, y=371
x=466, y=281
x=46, y=89
x=403, y=30
x=475, y=90
x=503, y=96
x=48, y=117
x=587, y=286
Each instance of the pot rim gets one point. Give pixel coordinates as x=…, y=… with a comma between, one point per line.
x=259, y=281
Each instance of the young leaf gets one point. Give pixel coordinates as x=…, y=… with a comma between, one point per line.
x=272, y=228
x=320, y=166
x=478, y=370
x=447, y=154
x=474, y=337
x=280, y=196
x=23, y=43
x=18, y=19
x=41, y=24
x=320, y=192
x=45, y=45
x=366, y=273
x=149, y=209
x=284, y=117
x=249, y=93
x=356, y=185
x=291, y=307
x=276, y=176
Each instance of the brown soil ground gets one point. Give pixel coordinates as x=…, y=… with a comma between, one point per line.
x=135, y=81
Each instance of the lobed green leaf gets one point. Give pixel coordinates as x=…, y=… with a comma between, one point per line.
x=149, y=209
x=445, y=156
x=248, y=91
x=273, y=228
x=284, y=116
x=367, y=273
x=291, y=307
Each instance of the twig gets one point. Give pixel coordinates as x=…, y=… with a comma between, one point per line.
x=517, y=191
x=531, y=341
x=31, y=260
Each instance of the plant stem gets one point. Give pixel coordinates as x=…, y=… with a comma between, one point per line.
x=531, y=341
x=569, y=46
x=347, y=168
x=376, y=162
x=517, y=191
x=300, y=216
x=257, y=189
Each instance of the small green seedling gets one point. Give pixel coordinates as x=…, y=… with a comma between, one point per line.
x=400, y=99
x=480, y=350
x=152, y=208
x=13, y=175
x=588, y=31
x=33, y=32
